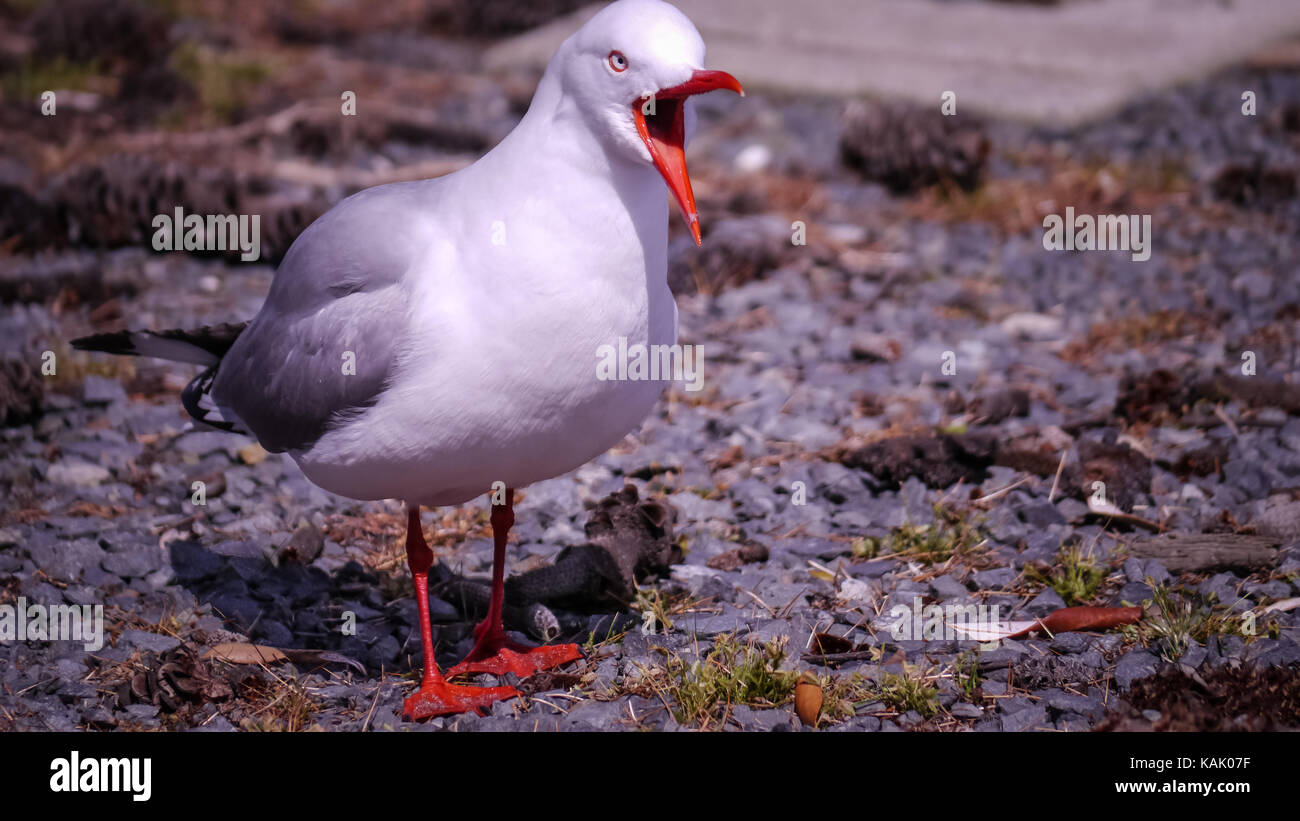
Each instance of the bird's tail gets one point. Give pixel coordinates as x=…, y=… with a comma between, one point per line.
x=204, y=346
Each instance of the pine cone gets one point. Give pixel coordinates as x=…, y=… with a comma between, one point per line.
x=22, y=392
x=121, y=31
x=179, y=677
x=26, y=222
x=113, y=203
x=907, y=148
x=479, y=19
x=1255, y=185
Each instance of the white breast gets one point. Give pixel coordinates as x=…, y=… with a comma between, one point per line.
x=510, y=307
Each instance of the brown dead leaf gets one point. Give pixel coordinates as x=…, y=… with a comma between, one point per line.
x=825, y=644
x=84, y=508
x=1075, y=619
x=736, y=558
x=808, y=699
x=1065, y=620
x=245, y=653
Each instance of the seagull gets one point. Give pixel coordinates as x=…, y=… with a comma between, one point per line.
x=436, y=340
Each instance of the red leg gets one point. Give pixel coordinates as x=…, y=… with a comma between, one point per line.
x=436, y=697
x=494, y=652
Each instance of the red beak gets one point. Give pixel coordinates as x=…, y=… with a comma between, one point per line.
x=663, y=130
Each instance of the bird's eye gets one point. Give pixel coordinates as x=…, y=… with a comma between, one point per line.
x=617, y=61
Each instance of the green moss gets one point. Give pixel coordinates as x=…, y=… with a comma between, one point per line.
x=224, y=82
x=948, y=535
x=911, y=689
x=34, y=77
x=1175, y=621
x=908, y=691
x=733, y=672
x=866, y=547
x=1076, y=577
x=966, y=671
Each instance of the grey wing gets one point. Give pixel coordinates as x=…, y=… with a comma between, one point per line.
x=325, y=343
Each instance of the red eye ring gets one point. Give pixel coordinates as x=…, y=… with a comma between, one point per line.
x=618, y=62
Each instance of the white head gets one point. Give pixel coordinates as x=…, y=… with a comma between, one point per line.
x=630, y=70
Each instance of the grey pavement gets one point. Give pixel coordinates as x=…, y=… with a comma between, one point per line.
x=1061, y=65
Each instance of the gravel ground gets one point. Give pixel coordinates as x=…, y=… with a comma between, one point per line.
x=1081, y=366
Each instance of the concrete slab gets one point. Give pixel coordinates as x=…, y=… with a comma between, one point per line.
x=1059, y=65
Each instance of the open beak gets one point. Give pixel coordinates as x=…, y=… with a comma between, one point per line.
x=662, y=126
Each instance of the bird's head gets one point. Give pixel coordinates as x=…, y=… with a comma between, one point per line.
x=632, y=69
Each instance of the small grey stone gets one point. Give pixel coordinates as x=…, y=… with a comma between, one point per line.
x=1233, y=648
x=1041, y=514
x=693, y=508
x=1044, y=603
x=153, y=642
x=1274, y=653
x=383, y=653
x=274, y=633
x=773, y=719
x=1223, y=586
x=385, y=718
x=1030, y=718
x=1194, y=655
x=442, y=611
x=1071, y=642
x=1133, y=665
x=911, y=718
x=1133, y=592
x=135, y=564
x=1072, y=510
x=142, y=711
x=1014, y=704
x=1072, y=723
x=1156, y=572
x=1134, y=569
x=100, y=390
x=1092, y=657
x=247, y=549
x=192, y=561
x=1275, y=589
x=1004, y=656
x=947, y=587
x=201, y=443
x=598, y=713
x=713, y=625
x=1071, y=703
x=874, y=569
x=77, y=473
x=998, y=578
x=866, y=724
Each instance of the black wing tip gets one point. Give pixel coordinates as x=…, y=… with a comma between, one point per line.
x=118, y=343
x=213, y=339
